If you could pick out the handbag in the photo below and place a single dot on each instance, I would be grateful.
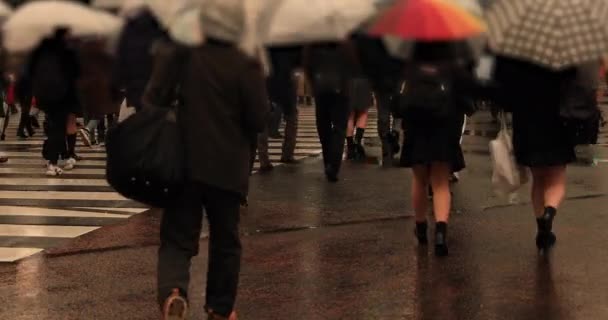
(145, 160)
(145, 155)
(507, 175)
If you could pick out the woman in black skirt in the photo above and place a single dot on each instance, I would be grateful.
(431, 146)
(541, 136)
(361, 99)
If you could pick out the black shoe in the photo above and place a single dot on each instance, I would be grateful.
(3, 159)
(34, 122)
(288, 160)
(393, 139)
(2, 137)
(331, 174)
(420, 232)
(30, 131)
(360, 154)
(266, 169)
(351, 153)
(21, 135)
(441, 239)
(545, 238)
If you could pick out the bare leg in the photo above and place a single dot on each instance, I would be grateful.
(538, 191)
(420, 184)
(350, 128)
(555, 186)
(440, 180)
(362, 119)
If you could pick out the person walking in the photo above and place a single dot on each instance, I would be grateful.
(224, 100)
(95, 89)
(134, 62)
(282, 91)
(329, 66)
(552, 112)
(51, 76)
(361, 98)
(433, 117)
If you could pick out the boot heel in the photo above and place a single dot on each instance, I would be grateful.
(545, 238)
(420, 233)
(441, 239)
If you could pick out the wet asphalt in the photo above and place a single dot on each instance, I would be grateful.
(314, 250)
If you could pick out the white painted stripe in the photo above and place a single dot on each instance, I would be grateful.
(76, 171)
(14, 254)
(16, 230)
(61, 195)
(52, 182)
(38, 155)
(40, 162)
(45, 212)
(125, 210)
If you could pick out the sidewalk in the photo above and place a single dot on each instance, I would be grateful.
(313, 250)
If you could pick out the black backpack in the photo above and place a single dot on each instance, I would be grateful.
(427, 91)
(49, 78)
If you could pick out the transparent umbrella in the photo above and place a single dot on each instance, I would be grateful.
(286, 22)
(34, 21)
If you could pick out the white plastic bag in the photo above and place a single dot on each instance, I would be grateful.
(125, 111)
(507, 176)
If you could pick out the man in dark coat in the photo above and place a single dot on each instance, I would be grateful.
(224, 106)
(134, 65)
(329, 67)
(51, 74)
(282, 91)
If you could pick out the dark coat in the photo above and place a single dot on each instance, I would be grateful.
(224, 106)
(134, 65)
(70, 63)
(95, 84)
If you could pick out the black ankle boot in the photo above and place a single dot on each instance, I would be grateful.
(420, 232)
(545, 238)
(441, 239)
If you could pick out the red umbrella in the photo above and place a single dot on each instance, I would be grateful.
(427, 20)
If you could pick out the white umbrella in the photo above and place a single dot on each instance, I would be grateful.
(34, 21)
(181, 19)
(300, 21)
(5, 10)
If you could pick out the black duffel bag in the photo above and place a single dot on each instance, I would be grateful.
(145, 159)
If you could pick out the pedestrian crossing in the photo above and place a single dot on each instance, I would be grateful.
(38, 212)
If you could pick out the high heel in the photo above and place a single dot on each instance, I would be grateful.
(420, 232)
(545, 238)
(441, 239)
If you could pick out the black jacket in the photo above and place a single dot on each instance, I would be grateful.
(224, 106)
(134, 66)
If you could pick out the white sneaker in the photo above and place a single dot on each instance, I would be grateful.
(85, 134)
(53, 170)
(69, 164)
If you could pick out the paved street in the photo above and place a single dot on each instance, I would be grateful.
(318, 251)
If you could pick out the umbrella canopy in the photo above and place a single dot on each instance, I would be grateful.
(34, 21)
(181, 19)
(427, 20)
(289, 22)
(553, 34)
(108, 4)
(5, 10)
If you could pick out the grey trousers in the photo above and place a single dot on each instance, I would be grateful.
(179, 241)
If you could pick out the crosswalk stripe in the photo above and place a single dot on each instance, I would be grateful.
(39, 212)
(14, 254)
